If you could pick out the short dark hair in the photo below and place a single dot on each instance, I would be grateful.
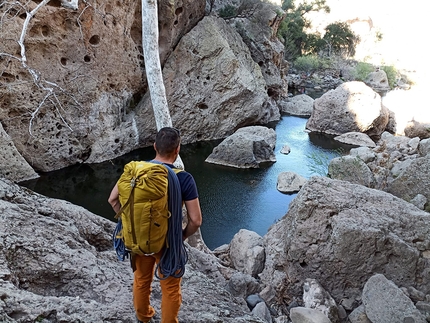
(167, 140)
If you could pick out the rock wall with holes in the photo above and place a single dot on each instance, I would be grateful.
(73, 86)
(65, 91)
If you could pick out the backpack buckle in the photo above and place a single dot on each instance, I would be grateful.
(133, 182)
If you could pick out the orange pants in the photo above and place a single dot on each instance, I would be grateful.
(171, 297)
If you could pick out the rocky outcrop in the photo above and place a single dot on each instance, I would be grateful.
(57, 264)
(315, 82)
(398, 165)
(248, 147)
(378, 81)
(257, 22)
(83, 74)
(351, 107)
(341, 234)
(57, 261)
(12, 164)
(79, 109)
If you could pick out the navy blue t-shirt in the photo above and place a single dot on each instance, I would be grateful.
(188, 185)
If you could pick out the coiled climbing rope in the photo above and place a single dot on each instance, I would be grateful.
(175, 257)
(118, 242)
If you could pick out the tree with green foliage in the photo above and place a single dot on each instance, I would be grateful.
(292, 30)
(339, 39)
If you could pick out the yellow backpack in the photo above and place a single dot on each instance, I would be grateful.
(144, 206)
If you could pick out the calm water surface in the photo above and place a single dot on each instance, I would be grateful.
(231, 199)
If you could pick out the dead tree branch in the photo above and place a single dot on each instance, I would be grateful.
(46, 86)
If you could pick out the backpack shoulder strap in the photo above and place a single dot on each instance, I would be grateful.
(130, 200)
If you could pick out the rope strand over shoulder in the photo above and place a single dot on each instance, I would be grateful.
(174, 258)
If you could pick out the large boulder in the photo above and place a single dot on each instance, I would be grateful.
(398, 308)
(212, 84)
(257, 22)
(247, 252)
(417, 129)
(413, 179)
(355, 139)
(299, 105)
(289, 182)
(341, 234)
(248, 147)
(352, 169)
(351, 107)
(411, 111)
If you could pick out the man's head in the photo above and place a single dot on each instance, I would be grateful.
(167, 142)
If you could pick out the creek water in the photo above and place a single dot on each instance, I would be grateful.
(231, 199)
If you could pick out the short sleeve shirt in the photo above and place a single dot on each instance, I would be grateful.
(188, 185)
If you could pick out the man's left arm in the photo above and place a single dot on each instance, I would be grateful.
(194, 215)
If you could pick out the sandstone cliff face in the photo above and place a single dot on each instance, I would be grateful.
(78, 57)
(81, 94)
(87, 67)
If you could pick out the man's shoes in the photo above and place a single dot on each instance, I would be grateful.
(150, 321)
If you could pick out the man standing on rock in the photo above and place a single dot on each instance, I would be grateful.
(167, 146)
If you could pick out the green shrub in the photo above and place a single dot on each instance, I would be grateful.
(391, 75)
(319, 160)
(307, 63)
(229, 11)
(361, 71)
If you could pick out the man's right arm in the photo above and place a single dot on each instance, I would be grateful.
(194, 218)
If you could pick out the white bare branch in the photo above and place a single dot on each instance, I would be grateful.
(59, 113)
(11, 56)
(11, 7)
(79, 19)
(35, 112)
(25, 27)
(49, 87)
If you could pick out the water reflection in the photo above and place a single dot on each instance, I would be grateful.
(231, 199)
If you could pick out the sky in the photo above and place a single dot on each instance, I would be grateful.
(403, 25)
